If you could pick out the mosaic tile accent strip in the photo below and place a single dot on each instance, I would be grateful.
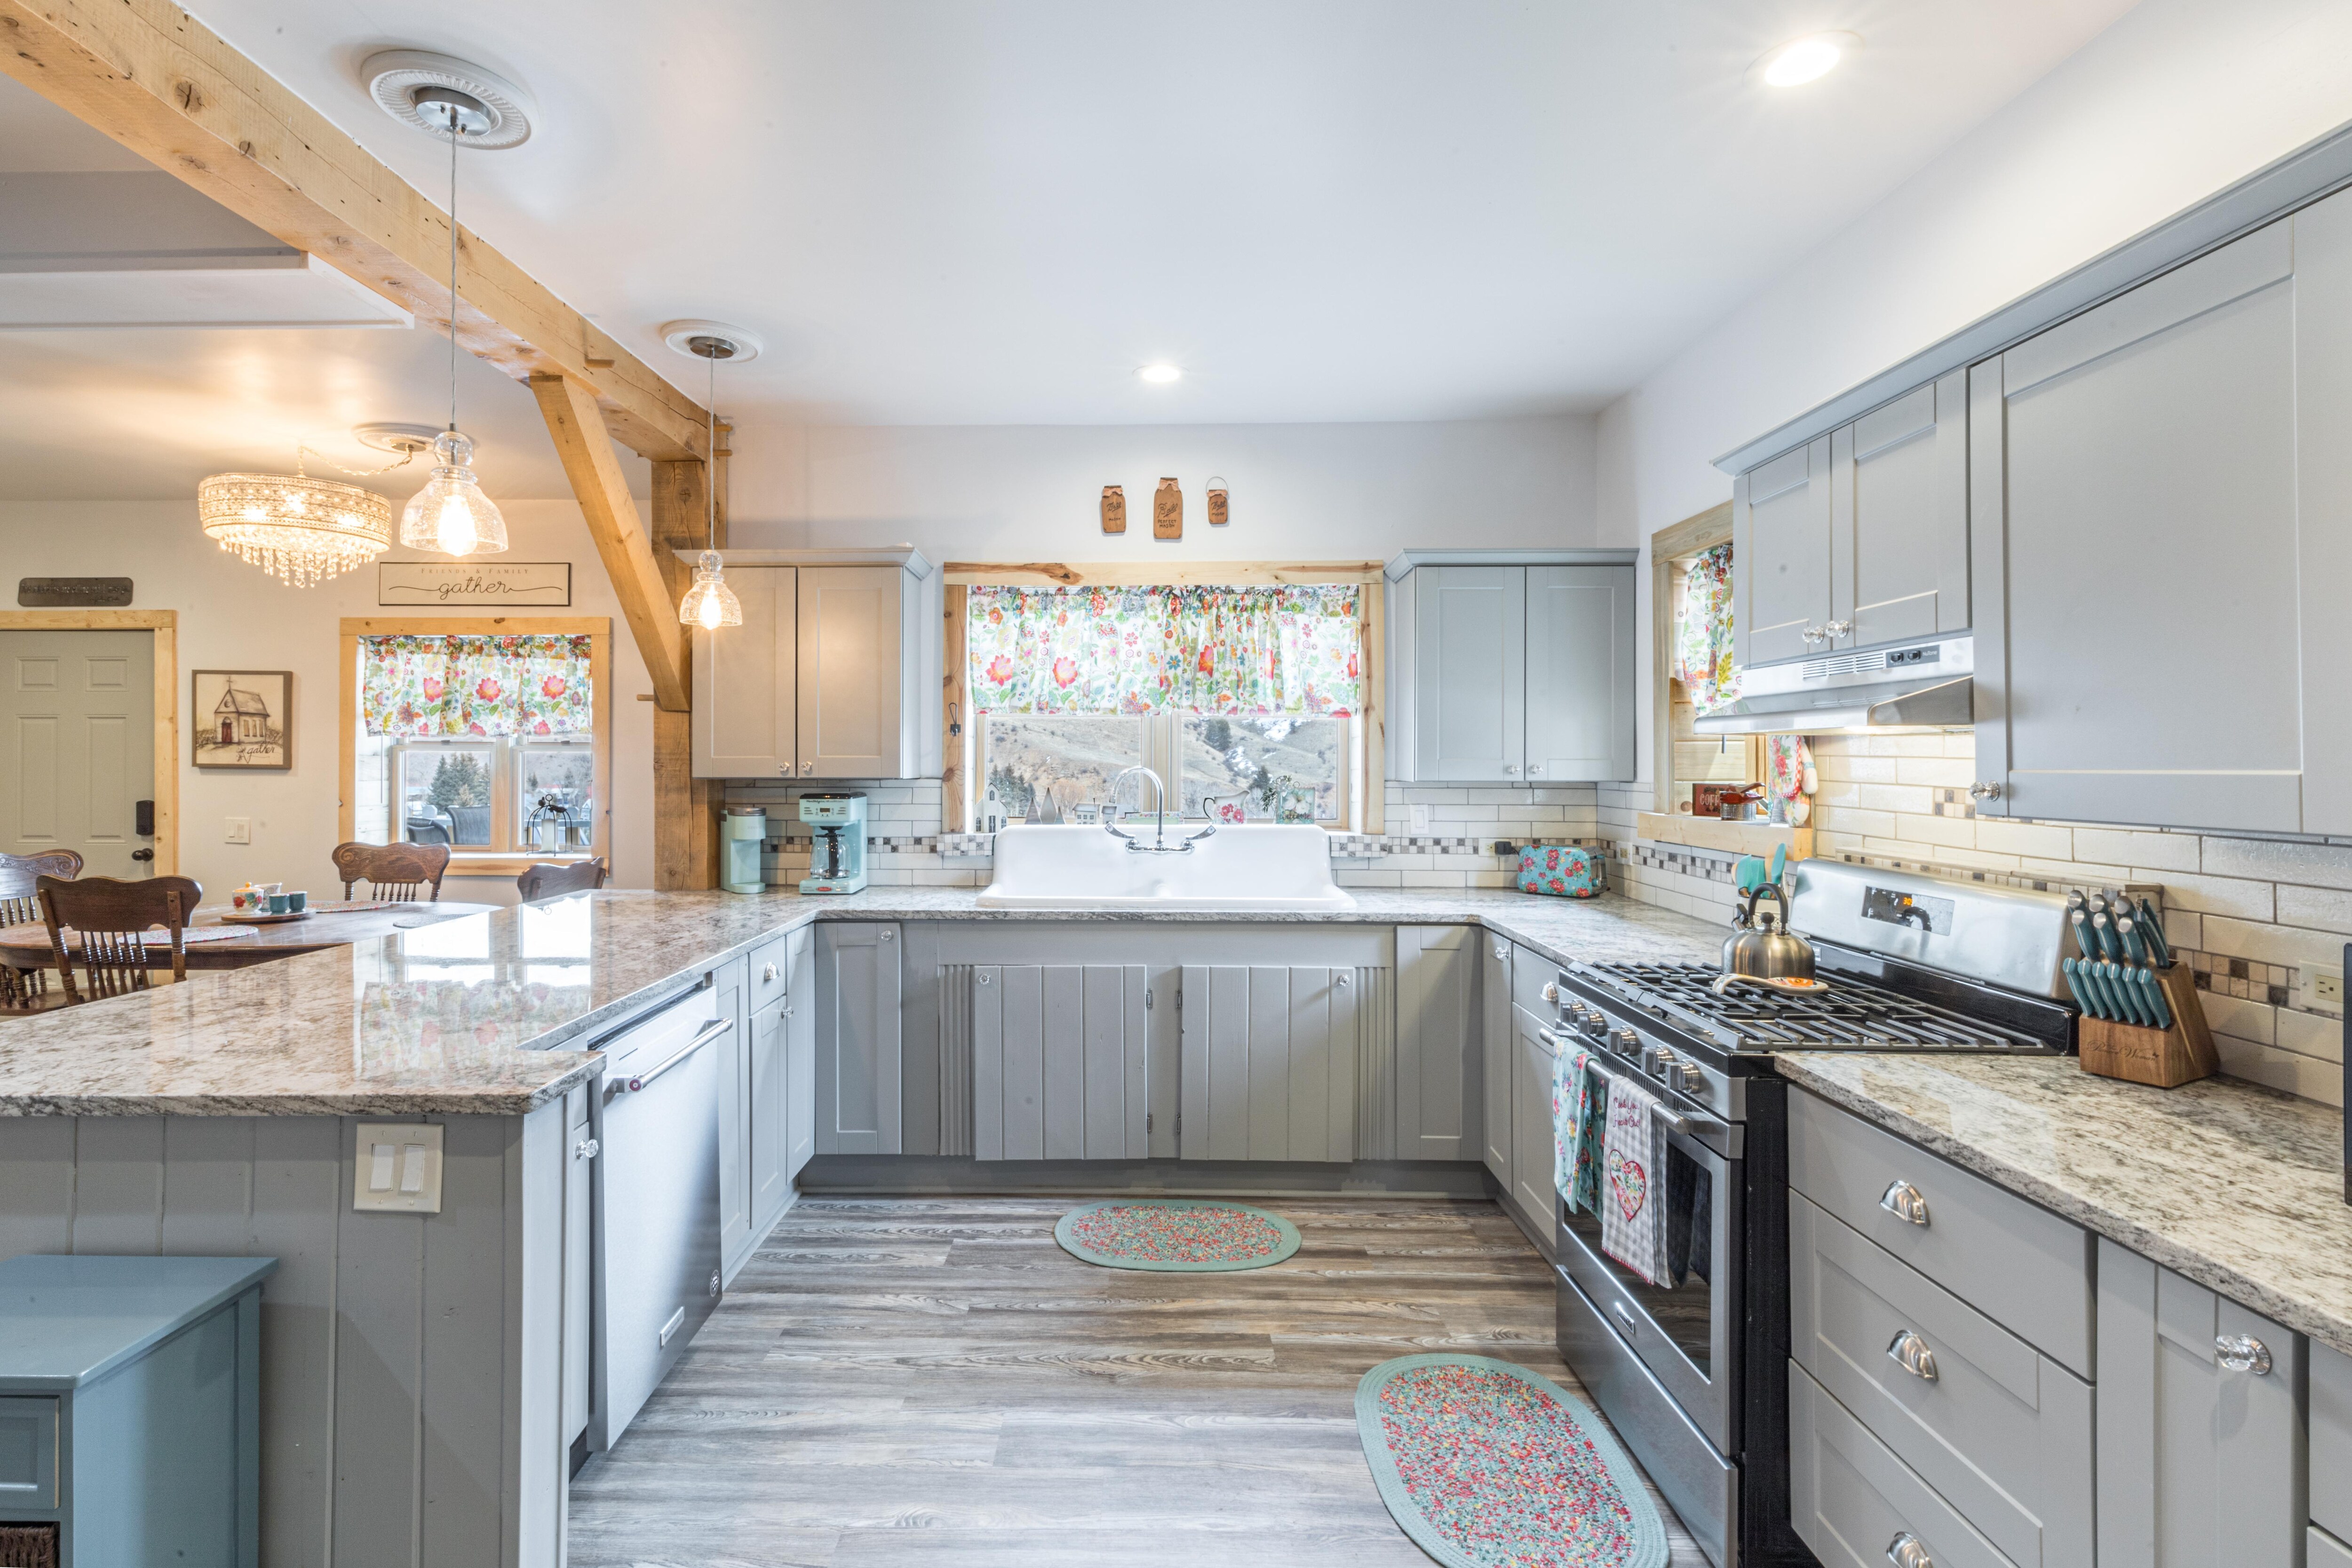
(1176, 1236)
(1485, 1465)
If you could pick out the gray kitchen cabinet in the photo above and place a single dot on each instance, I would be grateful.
(2331, 1440)
(746, 720)
(576, 1381)
(1781, 557)
(1438, 1092)
(1511, 672)
(800, 1056)
(768, 1125)
(1269, 1059)
(1060, 1061)
(1495, 1041)
(857, 1038)
(833, 673)
(2326, 1551)
(733, 1050)
(1899, 520)
(1580, 679)
(2200, 1437)
(1531, 1135)
(2162, 526)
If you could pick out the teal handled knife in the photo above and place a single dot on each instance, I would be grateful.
(2152, 930)
(2085, 940)
(2111, 942)
(2134, 949)
(2101, 1004)
(2118, 993)
(2081, 988)
(2152, 994)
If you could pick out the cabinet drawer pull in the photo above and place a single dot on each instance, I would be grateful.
(2242, 1353)
(1911, 1353)
(1905, 1551)
(1551, 992)
(587, 1149)
(983, 979)
(768, 975)
(1343, 979)
(1905, 1201)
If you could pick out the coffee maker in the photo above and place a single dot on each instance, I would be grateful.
(838, 852)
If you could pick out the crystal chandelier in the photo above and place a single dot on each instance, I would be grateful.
(451, 513)
(711, 604)
(295, 527)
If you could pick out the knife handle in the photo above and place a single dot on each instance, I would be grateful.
(2119, 999)
(2075, 983)
(2152, 928)
(2085, 939)
(2142, 1010)
(2129, 928)
(2153, 994)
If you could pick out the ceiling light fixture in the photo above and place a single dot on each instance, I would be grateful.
(710, 603)
(1805, 60)
(303, 529)
(1160, 375)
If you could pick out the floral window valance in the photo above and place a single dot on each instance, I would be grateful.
(1703, 633)
(435, 686)
(1293, 649)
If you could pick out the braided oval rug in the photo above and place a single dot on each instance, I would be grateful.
(1178, 1236)
(1485, 1465)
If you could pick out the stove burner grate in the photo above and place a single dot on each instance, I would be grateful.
(1849, 1016)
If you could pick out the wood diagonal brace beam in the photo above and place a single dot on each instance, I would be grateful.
(603, 490)
(159, 82)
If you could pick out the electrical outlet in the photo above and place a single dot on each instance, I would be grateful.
(2327, 985)
(240, 830)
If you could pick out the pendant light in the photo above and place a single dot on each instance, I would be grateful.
(710, 603)
(452, 514)
(294, 527)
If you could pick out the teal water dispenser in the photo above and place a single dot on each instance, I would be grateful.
(838, 853)
(742, 833)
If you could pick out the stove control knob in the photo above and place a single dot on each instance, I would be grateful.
(1627, 1042)
(1677, 1077)
(1655, 1059)
(1591, 1021)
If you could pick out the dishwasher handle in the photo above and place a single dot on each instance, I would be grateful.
(709, 1032)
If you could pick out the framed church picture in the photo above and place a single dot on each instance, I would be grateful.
(243, 718)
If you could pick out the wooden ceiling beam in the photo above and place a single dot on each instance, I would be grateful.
(160, 83)
(577, 426)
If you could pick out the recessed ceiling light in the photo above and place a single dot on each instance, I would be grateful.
(1160, 375)
(1805, 60)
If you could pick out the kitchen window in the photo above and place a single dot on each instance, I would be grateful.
(492, 738)
(1245, 700)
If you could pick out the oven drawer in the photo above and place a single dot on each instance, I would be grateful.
(1852, 1500)
(2000, 1430)
(2022, 1265)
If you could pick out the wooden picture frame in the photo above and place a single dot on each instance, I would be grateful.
(241, 719)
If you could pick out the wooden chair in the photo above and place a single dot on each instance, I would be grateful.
(398, 873)
(554, 881)
(27, 991)
(111, 922)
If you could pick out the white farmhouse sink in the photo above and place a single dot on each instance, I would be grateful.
(1080, 868)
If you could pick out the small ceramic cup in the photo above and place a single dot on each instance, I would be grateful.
(297, 902)
(277, 904)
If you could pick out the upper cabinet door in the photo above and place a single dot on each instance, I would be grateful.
(2160, 521)
(1580, 693)
(1899, 520)
(1470, 673)
(743, 693)
(1781, 557)
(853, 637)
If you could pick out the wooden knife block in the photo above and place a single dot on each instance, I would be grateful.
(2161, 1059)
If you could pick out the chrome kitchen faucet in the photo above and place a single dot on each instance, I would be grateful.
(1159, 845)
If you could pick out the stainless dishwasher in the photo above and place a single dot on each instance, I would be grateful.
(656, 1200)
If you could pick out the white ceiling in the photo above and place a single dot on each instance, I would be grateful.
(992, 211)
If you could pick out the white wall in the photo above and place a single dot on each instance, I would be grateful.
(234, 616)
(2177, 100)
(1032, 492)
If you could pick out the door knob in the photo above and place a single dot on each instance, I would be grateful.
(143, 854)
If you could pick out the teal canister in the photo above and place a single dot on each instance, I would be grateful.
(743, 833)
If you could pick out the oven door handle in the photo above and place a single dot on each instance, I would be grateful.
(1675, 1120)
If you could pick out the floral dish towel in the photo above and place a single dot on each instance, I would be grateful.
(1561, 871)
(1578, 1110)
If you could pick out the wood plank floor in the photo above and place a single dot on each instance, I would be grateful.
(933, 1383)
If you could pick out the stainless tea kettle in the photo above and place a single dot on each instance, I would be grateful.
(1756, 951)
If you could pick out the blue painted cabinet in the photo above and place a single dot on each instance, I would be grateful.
(131, 1407)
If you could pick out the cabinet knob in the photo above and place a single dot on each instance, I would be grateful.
(1534, 768)
(1838, 629)
(2242, 1353)
(1905, 1201)
(1910, 1352)
(1984, 792)
(890, 936)
(1905, 1551)
(1551, 991)
(1814, 635)
(1510, 767)
(767, 974)
(808, 767)
(982, 977)
(587, 1149)
(1343, 979)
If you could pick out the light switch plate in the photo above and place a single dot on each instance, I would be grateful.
(240, 830)
(398, 1167)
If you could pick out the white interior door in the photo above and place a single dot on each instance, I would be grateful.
(77, 745)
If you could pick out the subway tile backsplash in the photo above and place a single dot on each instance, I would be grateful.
(2255, 918)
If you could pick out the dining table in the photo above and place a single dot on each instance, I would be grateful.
(218, 937)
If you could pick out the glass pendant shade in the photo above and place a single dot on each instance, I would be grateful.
(303, 530)
(451, 514)
(710, 603)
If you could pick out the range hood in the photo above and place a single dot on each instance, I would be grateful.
(1920, 685)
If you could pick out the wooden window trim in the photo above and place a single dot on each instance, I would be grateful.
(598, 629)
(1670, 548)
(165, 625)
(959, 737)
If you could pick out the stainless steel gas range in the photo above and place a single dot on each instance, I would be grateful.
(1695, 1376)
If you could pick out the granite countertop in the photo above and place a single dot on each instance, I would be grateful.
(2239, 1187)
(487, 1015)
